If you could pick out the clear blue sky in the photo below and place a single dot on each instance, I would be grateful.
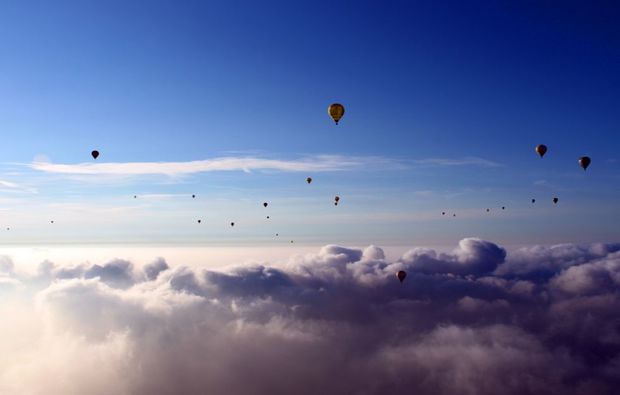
(444, 106)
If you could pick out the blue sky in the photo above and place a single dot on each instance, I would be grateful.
(444, 106)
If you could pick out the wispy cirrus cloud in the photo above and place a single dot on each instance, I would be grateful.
(319, 163)
(466, 161)
(316, 163)
(8, 186)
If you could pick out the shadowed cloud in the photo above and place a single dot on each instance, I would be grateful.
(473, 321)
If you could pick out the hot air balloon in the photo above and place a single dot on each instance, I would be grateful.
(309, 180)
(52, 221)
(193, 196)
(336, 111)
(454, 215)
(584, 162)
(267, 217)
(555, 200)
(134, 196)
(265, 204)
(277, 234)
(401, 275)
(541, 149)
(503, 208)
(95, 154)
(291, 241)
(533, 200)
(199, 221)
(443, 213)
(488, 210)
(232, 224)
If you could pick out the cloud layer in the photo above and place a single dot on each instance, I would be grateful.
(541, 320)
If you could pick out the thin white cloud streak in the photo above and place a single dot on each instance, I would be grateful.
(320, 163)
(8, 186)
(448, 162)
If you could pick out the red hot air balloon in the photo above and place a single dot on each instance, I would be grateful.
(541, 149)
(401, 275)
(584, 162)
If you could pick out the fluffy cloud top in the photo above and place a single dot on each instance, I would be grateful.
(475, 321)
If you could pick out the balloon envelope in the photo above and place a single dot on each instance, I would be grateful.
(541, 149)
(401, 275)
(95, 154)
(336, 111)
(309, 180)
(584, 162)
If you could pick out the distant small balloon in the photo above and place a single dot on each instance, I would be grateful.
(265, 204)
(267, 217)
(584, 162)
(309, 180)
(134, 196)
(277, 234)
(401, 275)
(488, 210)
(541, 149)
(199, 221)
(555, 200)
(193, 196)
(443, 213)
(533, 200)
(454, 215)
(52, 222)
(95, 154)
(503, 208)
(291, 241)
(232, 224)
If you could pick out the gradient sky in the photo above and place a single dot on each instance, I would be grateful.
(444, 106)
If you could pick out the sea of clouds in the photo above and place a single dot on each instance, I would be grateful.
(541, 320)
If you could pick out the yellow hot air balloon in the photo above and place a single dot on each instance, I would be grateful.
(336, 111)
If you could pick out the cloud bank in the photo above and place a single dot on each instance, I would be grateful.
(541, 320)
